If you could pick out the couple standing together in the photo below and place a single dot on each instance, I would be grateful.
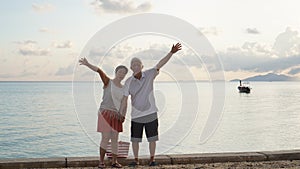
(113, 107)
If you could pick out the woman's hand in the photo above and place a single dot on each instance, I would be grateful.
(121, 118)
(83, 61)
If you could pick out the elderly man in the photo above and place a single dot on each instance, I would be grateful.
(144, 111)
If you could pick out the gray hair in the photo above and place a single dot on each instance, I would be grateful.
(135, 59)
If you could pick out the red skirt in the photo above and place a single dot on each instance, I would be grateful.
(108, 121)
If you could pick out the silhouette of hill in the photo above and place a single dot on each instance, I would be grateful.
(269, 77)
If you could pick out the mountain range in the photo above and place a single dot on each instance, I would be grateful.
(269, 77)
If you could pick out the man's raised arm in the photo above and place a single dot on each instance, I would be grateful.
(164, 60)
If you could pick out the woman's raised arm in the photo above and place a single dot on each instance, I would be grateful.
(104, 78)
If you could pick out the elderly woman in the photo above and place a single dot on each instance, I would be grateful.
(109, 120)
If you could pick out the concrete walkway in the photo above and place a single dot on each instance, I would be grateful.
(161, 159)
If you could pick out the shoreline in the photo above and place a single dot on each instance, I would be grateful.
(166, 160)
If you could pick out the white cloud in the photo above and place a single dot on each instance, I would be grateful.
(210, 31)
(42, 8)
(287, 43)
(294, 71)
(47, 30)
(256, 57)
(65, 70)
(27, 42)
(96, 53)
(122, 51)
(282, 56)
(30, 48)
(20, 75)
(252, 31)
(257, 49)
(116, 53)
(44, 30)
(249, 57)
(117, 6)
(150, 54)
(66, 44)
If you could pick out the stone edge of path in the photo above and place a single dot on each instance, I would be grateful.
(170, 159)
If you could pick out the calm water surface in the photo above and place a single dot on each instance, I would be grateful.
(58, 119)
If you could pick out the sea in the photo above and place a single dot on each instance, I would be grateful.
(58, 119)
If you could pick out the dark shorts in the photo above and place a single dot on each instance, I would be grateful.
(150, 122)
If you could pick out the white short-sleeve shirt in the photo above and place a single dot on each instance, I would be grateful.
(141, 92)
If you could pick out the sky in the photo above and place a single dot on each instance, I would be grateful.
(43, 40)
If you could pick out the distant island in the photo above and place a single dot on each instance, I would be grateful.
(268, 77)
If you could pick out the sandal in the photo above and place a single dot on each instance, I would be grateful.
(133, 164)
(153, 163)
(116, 165)
(101, 166)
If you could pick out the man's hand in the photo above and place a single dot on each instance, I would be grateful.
(164, 60)
(176, 48)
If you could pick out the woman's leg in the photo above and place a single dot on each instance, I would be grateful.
(103, 145)
(114, 146)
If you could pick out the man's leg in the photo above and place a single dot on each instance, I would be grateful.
(136, 137)
(152, 147)
(135, 148)
(152, 136)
